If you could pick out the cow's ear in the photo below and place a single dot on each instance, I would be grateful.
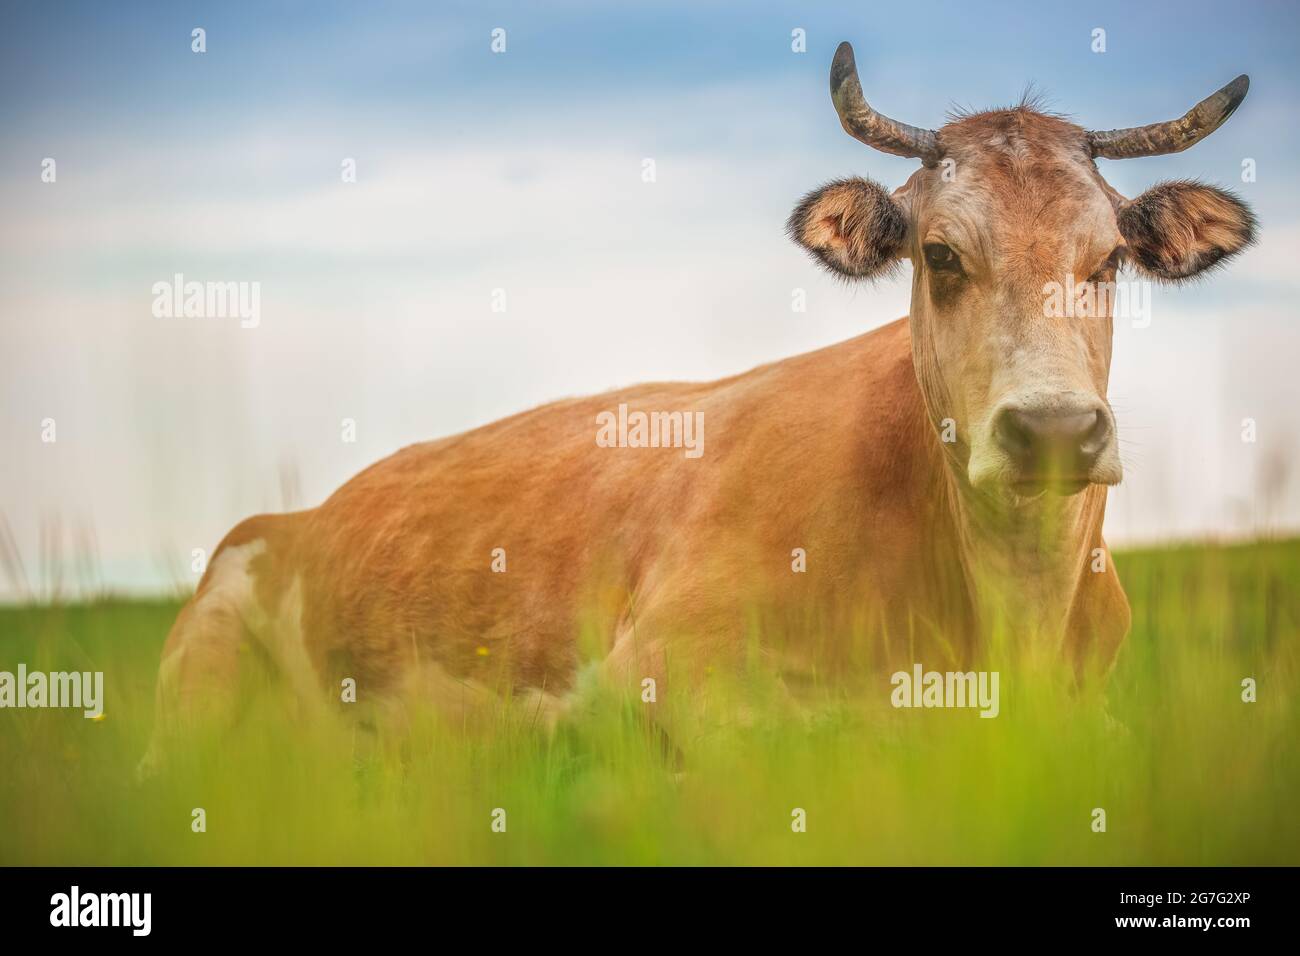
(853, 227)
(1178, 229)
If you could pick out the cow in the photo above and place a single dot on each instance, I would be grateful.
(911, 494)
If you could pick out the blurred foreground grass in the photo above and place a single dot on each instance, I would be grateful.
(1187, 772)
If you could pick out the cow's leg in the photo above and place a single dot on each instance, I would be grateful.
(209, 653)
(673, 656)
(472, 705)
(636, 668)
(416, 691)
(692, 664)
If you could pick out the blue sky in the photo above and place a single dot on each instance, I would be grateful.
(109, 64)
(522, 171)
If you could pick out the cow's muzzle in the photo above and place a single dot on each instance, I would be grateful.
(1057, 450)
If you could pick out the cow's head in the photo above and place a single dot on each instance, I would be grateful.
(1007, 219)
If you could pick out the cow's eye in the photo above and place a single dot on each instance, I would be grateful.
(941, 258)
(1107, 269)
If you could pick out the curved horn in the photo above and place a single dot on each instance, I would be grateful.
(1175, 135)
(865, 124)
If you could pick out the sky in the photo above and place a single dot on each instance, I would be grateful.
(522, 171)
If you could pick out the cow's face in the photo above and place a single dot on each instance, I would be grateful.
(1015, 242)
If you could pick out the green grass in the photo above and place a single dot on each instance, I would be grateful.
(1187, 772)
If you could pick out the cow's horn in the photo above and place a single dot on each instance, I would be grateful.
(865, 124)
(1175, 135)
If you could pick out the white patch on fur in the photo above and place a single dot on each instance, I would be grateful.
(231, 583)
(229, 587)
(283, 638)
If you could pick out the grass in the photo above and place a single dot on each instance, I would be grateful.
(1186, 771)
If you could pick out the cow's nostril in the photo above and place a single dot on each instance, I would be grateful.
(1037, 440)
(1015, 432)
(1095, 439)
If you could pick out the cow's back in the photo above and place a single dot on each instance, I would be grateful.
(827, 452)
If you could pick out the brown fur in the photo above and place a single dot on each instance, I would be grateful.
(668, 564)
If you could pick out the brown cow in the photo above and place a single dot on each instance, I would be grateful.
(902, 496)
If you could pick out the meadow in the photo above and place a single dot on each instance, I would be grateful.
(1187, 772)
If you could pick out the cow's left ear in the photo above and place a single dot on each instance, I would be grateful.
(1177, 229)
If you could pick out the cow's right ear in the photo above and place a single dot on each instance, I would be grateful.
(852, 226)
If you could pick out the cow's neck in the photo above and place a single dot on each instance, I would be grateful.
(1024, 564)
